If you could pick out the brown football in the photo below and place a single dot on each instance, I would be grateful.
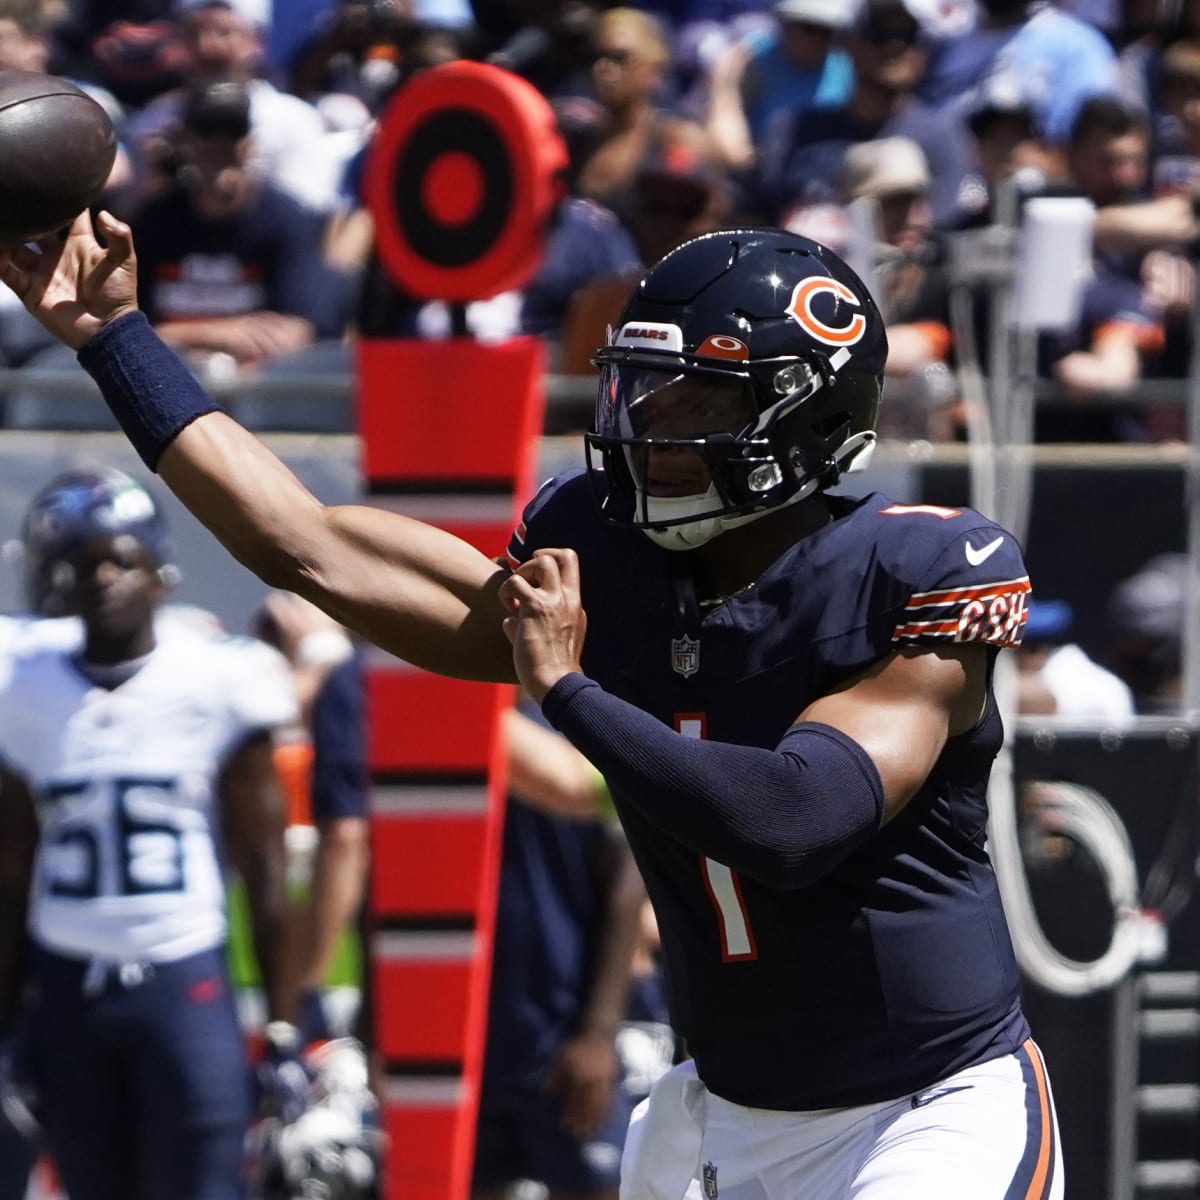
(57, 147)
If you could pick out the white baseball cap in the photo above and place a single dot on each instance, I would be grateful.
(833, 14)
(884, 167)
(253, 12)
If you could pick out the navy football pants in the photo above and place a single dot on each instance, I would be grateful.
(16, 1161)
(144, 1081)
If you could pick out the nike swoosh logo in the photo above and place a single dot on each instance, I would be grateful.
(978, 557)
(923, 1098)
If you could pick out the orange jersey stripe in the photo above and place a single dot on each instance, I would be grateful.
(1041, 1171)
(978, 592)
(912, 628)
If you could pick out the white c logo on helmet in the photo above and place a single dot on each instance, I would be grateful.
(800, 310)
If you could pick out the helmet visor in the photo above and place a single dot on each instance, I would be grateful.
(664, 403)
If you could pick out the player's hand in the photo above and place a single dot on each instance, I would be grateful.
(290, 624)
(72, 284)
(284, 1085)
(583, 1076)
(546, 623)
(311, 1019)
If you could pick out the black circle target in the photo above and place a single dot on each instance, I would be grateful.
(464, 172)
(446, 243)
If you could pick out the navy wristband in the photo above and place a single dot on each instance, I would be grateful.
(145, 383)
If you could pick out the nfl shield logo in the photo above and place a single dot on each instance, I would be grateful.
(685, 656)
(709, 1173)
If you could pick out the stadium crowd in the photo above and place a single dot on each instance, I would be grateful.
(886, 129)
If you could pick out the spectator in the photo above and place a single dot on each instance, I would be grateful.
(224, 44)
(670, 206)
(801, 160)
(1012, 156)
(1057, 677)
(1120, 145)
(230, 264)
(1118, 331)
(1107, 152)
(231, 268)
(361, 52)
(1139, 40)
(890, 178)
(1059, 58)
(1142, 236)
(1146, 615)
(131, 47)
(138, 751)
(631, 56)
(547, 42)
(1168, 269)
(795, 65)
(584, 243)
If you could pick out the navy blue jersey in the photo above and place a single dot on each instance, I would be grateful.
(896, 969)
(266, 256)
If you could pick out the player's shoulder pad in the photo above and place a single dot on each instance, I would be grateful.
(552, 517)
(963, 576)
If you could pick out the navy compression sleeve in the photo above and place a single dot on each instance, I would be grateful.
(145, 384)
(785, 817)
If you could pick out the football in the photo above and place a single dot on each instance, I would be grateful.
(57, 147)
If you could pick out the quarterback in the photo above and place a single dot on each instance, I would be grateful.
(789, 691)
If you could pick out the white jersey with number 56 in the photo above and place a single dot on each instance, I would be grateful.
(128, 864)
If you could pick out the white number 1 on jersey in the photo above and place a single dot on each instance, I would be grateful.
(721, 882)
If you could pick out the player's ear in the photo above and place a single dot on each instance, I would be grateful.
(169, 575)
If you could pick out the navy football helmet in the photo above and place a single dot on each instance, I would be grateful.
(761, 353)
(75, 508)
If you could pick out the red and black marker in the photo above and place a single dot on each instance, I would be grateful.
(465, 171)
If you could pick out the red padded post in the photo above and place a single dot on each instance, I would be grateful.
(449, 435)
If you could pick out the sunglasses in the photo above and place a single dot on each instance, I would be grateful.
(883, 35)
(809, 27)
(619, 58)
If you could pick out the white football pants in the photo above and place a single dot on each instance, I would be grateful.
(988, 1132)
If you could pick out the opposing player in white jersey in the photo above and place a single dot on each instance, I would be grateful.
(130, 769)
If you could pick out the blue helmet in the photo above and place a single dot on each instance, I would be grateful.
(78, 507)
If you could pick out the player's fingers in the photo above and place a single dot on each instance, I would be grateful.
(119, 237)
(541, 570)
(517, 591)
(559, 568)
(13, 276)
(566, 564)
